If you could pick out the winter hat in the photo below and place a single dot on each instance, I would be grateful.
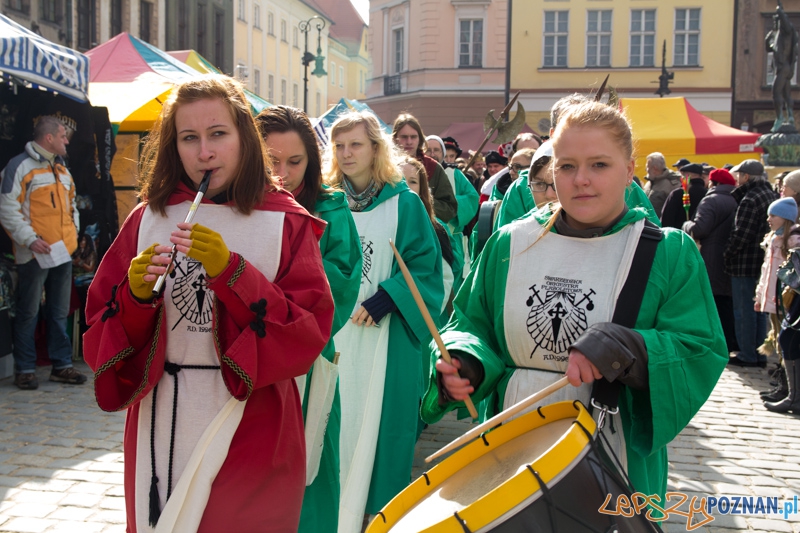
(750, 167)
(693, 168)
(722, 177)
(450, 142)
(784, 208)
(494, 157)
(438, 139)
(792, 180)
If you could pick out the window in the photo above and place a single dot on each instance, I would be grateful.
(319, 103)
(556, 30)
(341, 76)
(294, 95)
(598, 38)
(145, 20)
(470, 47)
(242, 5)
(51, 10)
(270, 88)
(256, 16)
(84, 25)
(643, 37)
(23, 6)
(283, 92)
(219, 38)
(687, 37)
(183, 23)
(270, 24)
(201, 29)
(295, 37)
(283, 31)
(332, 73)
(397, 50)
(257, 81)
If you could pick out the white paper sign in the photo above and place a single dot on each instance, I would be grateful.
(58, 256)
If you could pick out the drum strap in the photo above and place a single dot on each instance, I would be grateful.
(629, 302)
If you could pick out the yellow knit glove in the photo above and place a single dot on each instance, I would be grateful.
(209, 248)
(141, 289)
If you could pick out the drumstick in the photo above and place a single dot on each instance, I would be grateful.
(189, 216)
(500, 417)
(428, 320)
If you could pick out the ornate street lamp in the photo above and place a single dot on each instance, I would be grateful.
(308, 57)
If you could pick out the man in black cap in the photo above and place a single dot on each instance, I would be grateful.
(495, 162)
(452, 151)
(682, 162)
(673, 215)
(743, 258)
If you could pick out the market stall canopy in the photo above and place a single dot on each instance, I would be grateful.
(133, 79)
(470, 135)
(345, 106)
(32, 58)
(202, 65)
(676, 129)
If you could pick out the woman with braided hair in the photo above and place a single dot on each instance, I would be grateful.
(214, 429)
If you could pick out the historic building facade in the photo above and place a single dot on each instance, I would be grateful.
(564, 46)
(442, 60)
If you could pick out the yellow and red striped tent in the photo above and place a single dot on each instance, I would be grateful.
(676, 129)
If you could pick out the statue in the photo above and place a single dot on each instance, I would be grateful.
(782, 42)
(666, 76)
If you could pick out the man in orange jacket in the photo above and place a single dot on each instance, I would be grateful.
(37, 210)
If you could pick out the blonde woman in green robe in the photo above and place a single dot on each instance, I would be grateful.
(540, 301)
(380, 368)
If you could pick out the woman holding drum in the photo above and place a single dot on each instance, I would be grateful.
(214, 429)
(541, 300)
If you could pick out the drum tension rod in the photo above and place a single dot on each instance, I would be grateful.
(462, 523)
(483, 436)
(539, 410)
(427, 481)
(382, 516)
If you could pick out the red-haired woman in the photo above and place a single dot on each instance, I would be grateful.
(214, 430)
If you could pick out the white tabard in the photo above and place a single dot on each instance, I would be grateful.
(200, 445)
(555, 290)
(362, 368)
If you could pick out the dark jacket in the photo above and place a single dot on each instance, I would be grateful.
(445, 205)
(711, 227)
(658, 187)
(743, 253)
(673, 215)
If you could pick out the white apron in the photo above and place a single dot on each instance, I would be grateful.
(362, 368)
(207, 415)
(555, 291)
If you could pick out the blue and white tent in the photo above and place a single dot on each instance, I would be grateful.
(32, 58)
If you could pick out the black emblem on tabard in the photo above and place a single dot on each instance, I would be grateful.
(190, 292)
(366, 252)
(558, 318)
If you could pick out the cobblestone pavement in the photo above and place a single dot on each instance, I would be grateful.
(61, 457)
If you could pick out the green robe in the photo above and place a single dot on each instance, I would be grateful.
(341, 258)
(518, 201)
(419, 247)
(678, 321)
(467, 198)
